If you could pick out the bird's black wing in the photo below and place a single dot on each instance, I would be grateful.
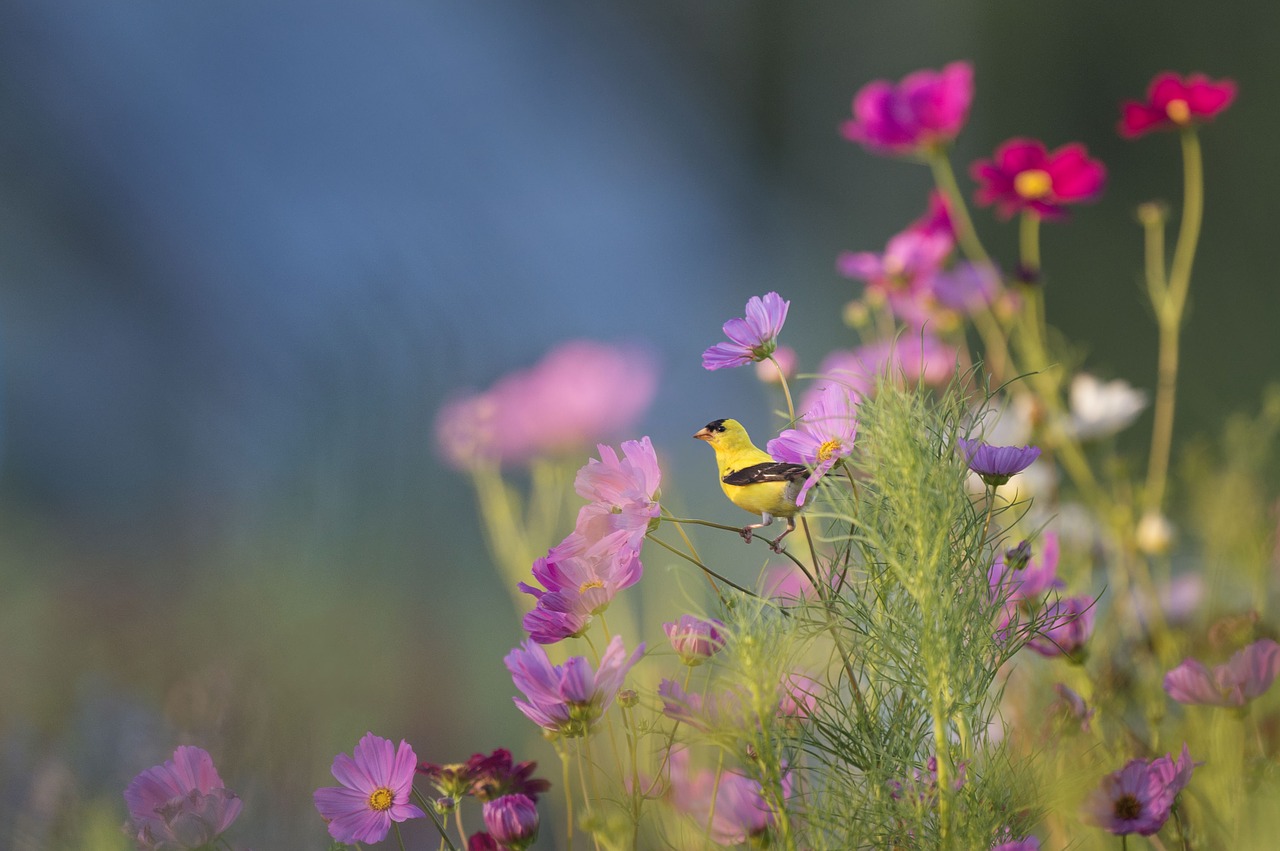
(769, 471)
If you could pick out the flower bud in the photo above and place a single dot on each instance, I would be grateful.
(628, 698)
(512, 821)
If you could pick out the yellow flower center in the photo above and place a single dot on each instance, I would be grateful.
(380, 799)
(589, 584)
(1033, 183)
(1178, 111)
(828, 448)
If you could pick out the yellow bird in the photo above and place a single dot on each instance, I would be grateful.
(752, 479)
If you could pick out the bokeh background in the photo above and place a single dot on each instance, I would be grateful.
(248, 249)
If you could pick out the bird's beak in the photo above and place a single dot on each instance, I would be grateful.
(705, 434)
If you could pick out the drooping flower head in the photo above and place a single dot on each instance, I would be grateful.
(1246, 675)
(376, 784)
(924, 110)
(751, 339)
(581, 392)
(1175, 102)
(825, 436)
(512, 821)
(569, 698)
(1138, 797)
(1024, 176)
(695, 639)
(1066, 627)
(180, 804)
(995, 465)
(485, 776)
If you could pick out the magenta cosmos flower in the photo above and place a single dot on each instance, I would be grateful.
(1138, 797)
(375, 790)
(512, 821)
(581, 392)
(825, 436)
(181, 804)
(1066, 626)
(485, 776)
(569, 698)
(1246, 675)
(1024, 176)
(753, 338)
(995, 465)
(1173, 101)
(927, 109)
(695, 639)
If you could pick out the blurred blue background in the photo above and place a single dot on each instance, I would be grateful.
(247, 250)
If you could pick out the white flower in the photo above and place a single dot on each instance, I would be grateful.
(1101, 409)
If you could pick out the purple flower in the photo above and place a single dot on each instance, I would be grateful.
(180, 804)
(1066, 626)
(574, 589)
(1025, 585)
(579, 393)
(715, 711)
(375, 791)
(1138, 797)
(825, 436)
(921, 787)
(733, 802)
(926, 109)
(1246, 675)
(569, 698)
(1027, 843)
(695, 639)
(481, 842)
(485, 777)
(997, 464)
(751, 339)
(512, 821)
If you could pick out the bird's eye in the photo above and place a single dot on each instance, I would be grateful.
(715, 425)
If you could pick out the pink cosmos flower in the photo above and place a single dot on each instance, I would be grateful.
(512, 821)
(786, 583)
(799, 696)
(622, 500)
(1173, 101)
(569, 698)
(580, 392)
(1038, 574)
(719, 710)
(936, 218)
(375, 790)
(574, 589)
(1066, 627)
(695, 639)
(903, 275)
(1024, 176)
(751, 339)
(1246, 675)
(180, 804)
(733, 802)
(1138, 797)
(926, 109)
(913, 358)
(825, 436)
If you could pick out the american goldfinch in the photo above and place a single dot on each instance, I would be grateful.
(752, 479)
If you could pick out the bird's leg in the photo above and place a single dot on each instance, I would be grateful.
(765, 519)
(775, 543)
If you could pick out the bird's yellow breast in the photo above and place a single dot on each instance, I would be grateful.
(776, 498)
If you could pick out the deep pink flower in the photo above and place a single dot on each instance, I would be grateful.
(485, 776)
(753, 338)
(936, 218)
(568, 698)
(180, 804)
(1024, 176)
(825, 436)
(995, 465)
(695, 639)
(1066, 627)
(375, 790)
(1138, 797)
(1175, 102)
(512, 821)
(733, 802)
(481, 842)
(926, 109)
(1246, 675)
(580, 392)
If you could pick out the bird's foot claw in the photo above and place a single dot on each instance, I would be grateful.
(746, 533)
(776, 544)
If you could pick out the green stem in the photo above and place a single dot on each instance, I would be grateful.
(568, 793)
(650, 537)
(966, 235)
(1169, 314)
(430, 809)
(1029, 243)
(693, 551)
(399, 838)
(786, 390)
